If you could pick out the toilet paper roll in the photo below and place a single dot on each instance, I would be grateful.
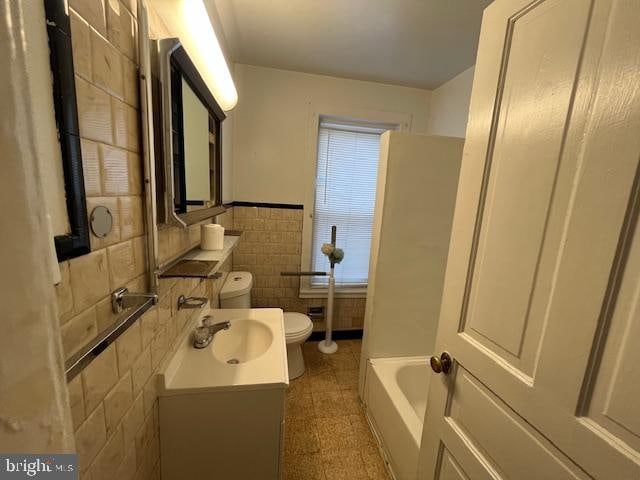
(211, 237)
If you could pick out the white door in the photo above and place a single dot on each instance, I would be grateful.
(541, 305)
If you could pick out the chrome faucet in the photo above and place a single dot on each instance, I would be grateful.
(216, 327)
(122, 299)
(203, 335)
(191, 302)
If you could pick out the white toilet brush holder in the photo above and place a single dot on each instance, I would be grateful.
(327, 345)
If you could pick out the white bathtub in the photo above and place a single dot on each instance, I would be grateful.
(396, 400)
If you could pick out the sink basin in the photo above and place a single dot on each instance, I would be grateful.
(246, 340)
(251, 354)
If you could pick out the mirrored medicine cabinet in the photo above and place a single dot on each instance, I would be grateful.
(187, 125)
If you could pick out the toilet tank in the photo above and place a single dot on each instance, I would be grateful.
(236, 291)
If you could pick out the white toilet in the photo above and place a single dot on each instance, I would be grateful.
(236, 293)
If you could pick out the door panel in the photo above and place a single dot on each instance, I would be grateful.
(450, 470)
(505, 444)
(614, 402)
(541, 58)
(541, 288)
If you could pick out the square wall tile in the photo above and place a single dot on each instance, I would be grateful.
(99, 377)
(91, 168)
(131, 218)
(80, 45)
(93, 12)
(94, 112)
(89, 279)
(117, 402)
(245, 212)
(128, 347)
(90, 437)
(164, 245)
(125, 125)
(115, 170)
(131, 83)
(159, 346)
(127, 468)
(141, 370)
(164, 312)
(109, 458)
(78, 331)
(144, 437)
(165, 285)
(132, 421)
(106, 63)
(136, 185)
(140, 254)
(76, 401)
(106, 317)
(133, 129)
(121, 29)
(150, 395)
(149, 324)
(122, 267)
(139, 283)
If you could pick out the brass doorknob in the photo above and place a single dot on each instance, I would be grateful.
(442, 363)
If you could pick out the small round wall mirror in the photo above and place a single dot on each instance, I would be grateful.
(101, 221)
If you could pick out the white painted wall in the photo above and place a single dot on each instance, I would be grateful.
(450, 106)
(271, 125)
(416, 192)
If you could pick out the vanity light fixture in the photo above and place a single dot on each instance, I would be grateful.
(189, 20)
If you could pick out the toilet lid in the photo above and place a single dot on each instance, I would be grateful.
(295, 323)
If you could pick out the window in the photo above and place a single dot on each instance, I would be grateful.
(345, 189)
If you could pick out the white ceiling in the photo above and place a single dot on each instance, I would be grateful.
(418, 43)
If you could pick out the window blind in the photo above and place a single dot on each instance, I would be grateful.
(347, 170)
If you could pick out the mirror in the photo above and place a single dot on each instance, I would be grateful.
(199, 154)
(101, 221)
(188, 163)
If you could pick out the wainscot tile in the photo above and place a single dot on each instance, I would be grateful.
(99, 377)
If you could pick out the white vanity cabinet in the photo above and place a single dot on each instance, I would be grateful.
(222, 406)
(227, 434)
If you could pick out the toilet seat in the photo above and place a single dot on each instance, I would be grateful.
(297, 327)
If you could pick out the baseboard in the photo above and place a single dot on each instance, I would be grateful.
(338, 335)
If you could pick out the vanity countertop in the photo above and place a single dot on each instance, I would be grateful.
(250, 355)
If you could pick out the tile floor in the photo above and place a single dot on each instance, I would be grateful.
(326, 434)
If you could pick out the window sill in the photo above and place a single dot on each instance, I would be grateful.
(353, 292)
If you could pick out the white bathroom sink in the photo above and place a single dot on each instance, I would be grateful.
(245, 341)
(251, 354)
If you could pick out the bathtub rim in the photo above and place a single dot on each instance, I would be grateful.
(403, 410)
(401, 402)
